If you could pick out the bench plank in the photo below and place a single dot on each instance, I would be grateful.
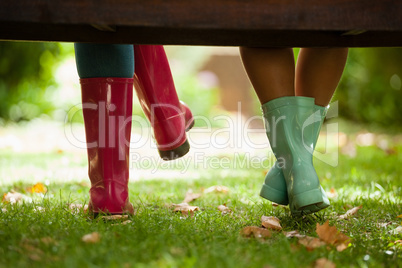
(352, 23)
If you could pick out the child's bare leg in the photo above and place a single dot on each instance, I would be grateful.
(318, 72)
(270, 70)
(272, 73)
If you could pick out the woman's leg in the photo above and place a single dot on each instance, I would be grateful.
(318, 72)
(270, 70)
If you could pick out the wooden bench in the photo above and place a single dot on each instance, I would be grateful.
(273, 23)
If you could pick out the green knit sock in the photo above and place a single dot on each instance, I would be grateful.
(104, 60)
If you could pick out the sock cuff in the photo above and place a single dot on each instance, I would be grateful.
(104, 60)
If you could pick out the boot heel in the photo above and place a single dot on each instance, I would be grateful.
(308, 198)
(176, 152)
(190, 125)
(274, 195)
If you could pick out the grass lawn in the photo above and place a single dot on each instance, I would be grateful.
(43, 231)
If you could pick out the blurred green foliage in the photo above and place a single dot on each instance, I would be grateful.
(370, 90)
(26, 79)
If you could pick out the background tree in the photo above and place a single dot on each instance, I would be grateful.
(371, 89)
(26, 78)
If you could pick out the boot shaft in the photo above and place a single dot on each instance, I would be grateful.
(107, 110)
(156, 92)
(287, 124)
(154, 83)
(319, 113)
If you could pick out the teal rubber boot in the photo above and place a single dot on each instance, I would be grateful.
(274, 187)
(287, 121)
(316, 123)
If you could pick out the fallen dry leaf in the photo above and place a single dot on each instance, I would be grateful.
(185, 209)
(341, 247)
(224, 209)
(34, 257)
(293, 234)
(77, 208)
(247, 201)
(26, 244)
(12, 197)
(255, 231)
(324, 263)
(350, 212)
(191, 197)
(331, 235)
(114, 217)
(91, 238)
(383, 224)
(278, 205)
(48, 241)
(216, 189)
(398, 243)
(294, 248)
(332, 193)
(311, 242)
(122, 223)
(391, 151)
(39, 188)
(271, 222)
(397, 230)
(39, 209)
(15, 197)
(31, 250)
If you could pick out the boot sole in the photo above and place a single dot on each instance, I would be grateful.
(313, 208)
(276, 196)
(179, 151)
(309, 209)
(175, 153)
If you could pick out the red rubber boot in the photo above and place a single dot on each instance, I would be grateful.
(107, 108)
(170, 118)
